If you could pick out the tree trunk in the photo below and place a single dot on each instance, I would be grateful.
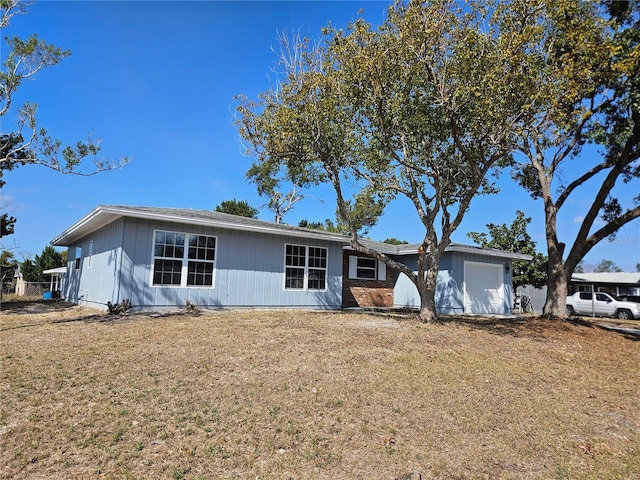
(427, 310)
(427, 291)
(557, 286)
(556, 302)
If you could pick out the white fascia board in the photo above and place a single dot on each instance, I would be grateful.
(607, 277)
(57, 270)
(76, 228)
(489, 252)
(412, 249)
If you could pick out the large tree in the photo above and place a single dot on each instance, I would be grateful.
(515, 238)
(581, 69)
(327, 226)
(7, 144)
(607, 266)
(7, 224)
(421, 108)
(8, 267)
(241, 208)
(29, 142)
(48, 259)
(279, 200)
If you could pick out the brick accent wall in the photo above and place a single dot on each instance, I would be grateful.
(366, 293)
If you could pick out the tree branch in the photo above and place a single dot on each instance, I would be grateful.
(605, 231)
(579, 181)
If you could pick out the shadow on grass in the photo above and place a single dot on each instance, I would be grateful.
(533, 327)
(23, 311)
(536, 327)
(29, 307)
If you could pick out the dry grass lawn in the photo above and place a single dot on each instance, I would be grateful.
(299, 395)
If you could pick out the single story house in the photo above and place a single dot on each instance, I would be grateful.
(621, 284)
(165, 257)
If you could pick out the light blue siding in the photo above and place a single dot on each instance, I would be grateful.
(249, 270)
(97, 279)
(449, 296)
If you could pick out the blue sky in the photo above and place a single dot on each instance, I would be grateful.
(156, 81)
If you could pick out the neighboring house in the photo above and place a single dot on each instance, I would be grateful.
(164, 257)
(620, 284)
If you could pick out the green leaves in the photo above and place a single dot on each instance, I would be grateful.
(515, 238)
(26, 58)
(421, 108)
(580, 66)
(49, 258)
(237, 207)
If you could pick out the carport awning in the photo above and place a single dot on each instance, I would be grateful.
(55, 271)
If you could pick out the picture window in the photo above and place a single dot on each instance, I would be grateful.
(184, 260)
(305, 268)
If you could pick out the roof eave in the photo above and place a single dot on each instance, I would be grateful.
(103, 215)
(476, 251)
(489, 252)
(412, 249)
(57, 270)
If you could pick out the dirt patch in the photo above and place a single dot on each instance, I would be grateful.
(32, 307)
(25, 314)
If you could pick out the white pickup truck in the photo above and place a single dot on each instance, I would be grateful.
(603, 305)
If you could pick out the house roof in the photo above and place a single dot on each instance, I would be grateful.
(412, 249)
(105, 214)
(618, 278)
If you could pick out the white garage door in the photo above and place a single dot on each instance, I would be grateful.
(483, 290)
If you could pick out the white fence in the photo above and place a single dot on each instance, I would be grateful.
(31, 289)
(536, 296)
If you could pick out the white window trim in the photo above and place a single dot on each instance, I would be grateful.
(305, 287)
(381, 269)
(185, 261)
(90, 254)
(77, 261)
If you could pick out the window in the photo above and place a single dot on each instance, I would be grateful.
(317, 268)
(305, 267)
(202, 252)
(78, 257)
(295, 261)
(183, 259)
(364, 268)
